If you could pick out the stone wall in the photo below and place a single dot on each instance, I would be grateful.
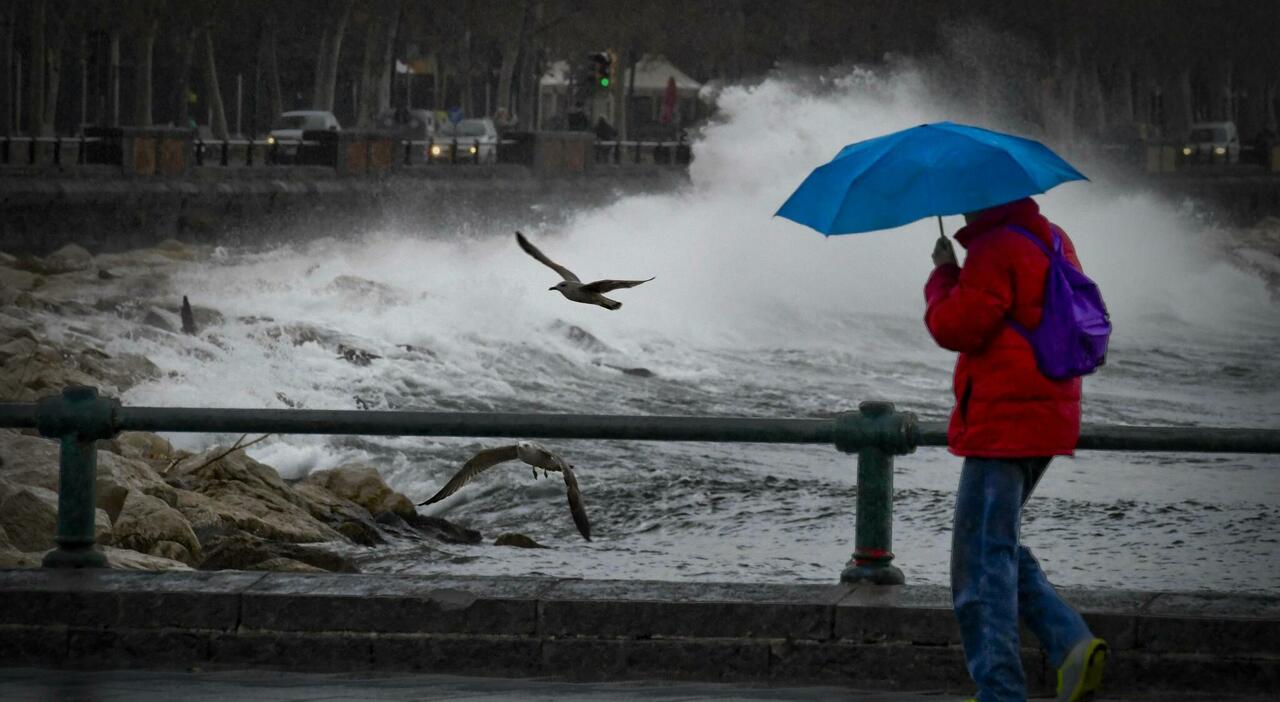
(868, 637)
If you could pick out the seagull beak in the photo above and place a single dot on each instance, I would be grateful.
(552, 288)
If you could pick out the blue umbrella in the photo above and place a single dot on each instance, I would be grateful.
(930, 170)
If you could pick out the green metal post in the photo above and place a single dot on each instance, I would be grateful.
(876, 433)
(78, 418)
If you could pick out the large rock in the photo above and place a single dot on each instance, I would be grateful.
(33, 460)
(68, 259)
(29, 517)
(364, 486)
(149, 525)
(226, 494)
(346, 517)
(125, 559)
(246, 552)
(22, 281)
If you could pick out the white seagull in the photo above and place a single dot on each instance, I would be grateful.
(533, 454)
(572, 286)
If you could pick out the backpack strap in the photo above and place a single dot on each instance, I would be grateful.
(1057, 240)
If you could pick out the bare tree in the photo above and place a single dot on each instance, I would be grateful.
(375, 68)
(7, 20)
(327, 54)
(53, 71)
(271, 69)
(36, 64)
(218, 122)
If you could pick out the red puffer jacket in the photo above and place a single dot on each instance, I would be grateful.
(1005, 407)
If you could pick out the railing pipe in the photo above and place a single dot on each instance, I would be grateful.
(876, 433)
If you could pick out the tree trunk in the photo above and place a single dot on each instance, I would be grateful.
(53, 79)
(275, 101)
(35, 103)
(182, 82)
(388, 58)
(327, 57)
(113, 81)
(142, 100)
(465, 83)
(385, 14)
(218, 124)
(1269, 116)
(6, 70)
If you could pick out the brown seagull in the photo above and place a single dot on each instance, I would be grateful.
(532, 454)
(572, 287)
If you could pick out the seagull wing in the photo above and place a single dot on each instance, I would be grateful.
(604, 286)
(576, 508)
(479, 463)
(533, 251)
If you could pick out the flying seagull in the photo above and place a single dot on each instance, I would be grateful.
(533, 454)
(572, 287)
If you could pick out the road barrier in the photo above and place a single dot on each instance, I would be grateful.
(876, 432)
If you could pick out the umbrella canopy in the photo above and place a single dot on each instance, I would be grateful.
(930, 170)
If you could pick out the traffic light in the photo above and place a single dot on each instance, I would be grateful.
(602, 68)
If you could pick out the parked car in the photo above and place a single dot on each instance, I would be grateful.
(409, 125)
(1216, 142)
(288, 129)
(475, 139)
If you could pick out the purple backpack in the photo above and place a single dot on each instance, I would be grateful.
(1071, 339)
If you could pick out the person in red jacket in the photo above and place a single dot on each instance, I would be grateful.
(1009, 421)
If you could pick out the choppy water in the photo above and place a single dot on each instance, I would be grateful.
(748, 316)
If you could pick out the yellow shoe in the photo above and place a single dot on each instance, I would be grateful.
(1080, 676)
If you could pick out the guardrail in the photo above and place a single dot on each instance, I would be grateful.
(660, 152)
(65, 150)
(271, 151)
(876, 432)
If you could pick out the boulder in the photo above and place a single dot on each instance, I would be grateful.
(248, 552)
(124, 559)
(517, 540)
(225, 494)
(33, 460)
(7, 259)
(68, 259)
(162, 319)
(153, 449)
(417, 525)
(149, 525)
(29, 516)
(364, 486)
(346, 517)
(286, 565)
(20, 280)
(227, 512)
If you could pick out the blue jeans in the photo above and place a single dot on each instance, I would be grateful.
(994, 579)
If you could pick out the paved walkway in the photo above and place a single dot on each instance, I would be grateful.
(33, 685)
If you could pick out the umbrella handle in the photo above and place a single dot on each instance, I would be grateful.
(941, 232)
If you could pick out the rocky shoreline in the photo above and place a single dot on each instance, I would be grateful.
(159, 507)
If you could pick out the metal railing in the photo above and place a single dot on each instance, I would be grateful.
(659, 152)
(876, 432)
(63, 150)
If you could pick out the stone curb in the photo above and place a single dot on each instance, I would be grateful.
(901, 638)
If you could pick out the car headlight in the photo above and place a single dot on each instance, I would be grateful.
(436, 150)
(471, 150)
(1187, 151)
(1220, 150)
(271, 140)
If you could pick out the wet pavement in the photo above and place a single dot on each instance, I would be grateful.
(39, 685)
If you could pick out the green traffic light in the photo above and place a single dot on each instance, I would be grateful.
(604, 82)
